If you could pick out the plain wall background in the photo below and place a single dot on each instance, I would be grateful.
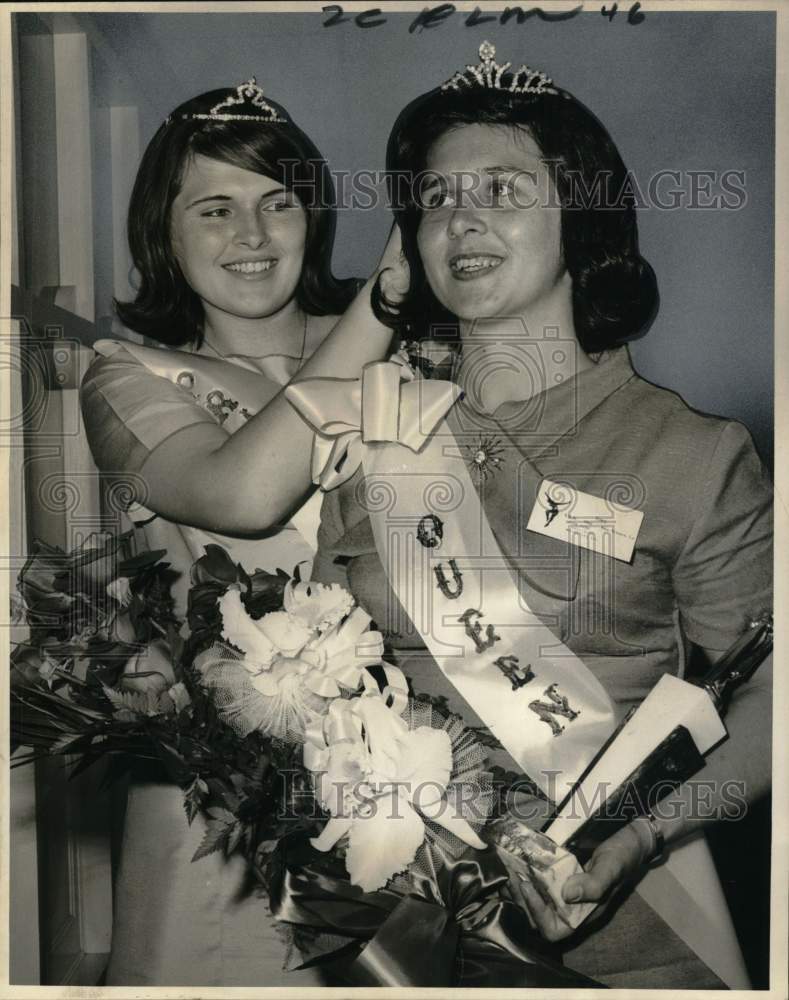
(680, 91)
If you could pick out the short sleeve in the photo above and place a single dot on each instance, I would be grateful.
(128, 411)
(723, 576)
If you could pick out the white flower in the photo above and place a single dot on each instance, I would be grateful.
(245, 633)
(120, 590)
(288, 635)
(378, 778)
(317, 605)
(282, 705)
(309, 626)
(293, 667)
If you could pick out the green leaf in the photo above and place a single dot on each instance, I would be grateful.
(176, 764)
(215, 838)
(221, 793)
(191, 808)
(115, 698)
(219, 828)
(215, 566)
(265, 592)
(85, 761)
(62, 744)
(234, 837)
(222, 815)
(129, 702)
(194, 797)
(92, 565)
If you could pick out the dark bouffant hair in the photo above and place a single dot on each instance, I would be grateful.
(615, 293)
(165, 307)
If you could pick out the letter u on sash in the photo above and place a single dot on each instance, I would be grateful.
(537, 697)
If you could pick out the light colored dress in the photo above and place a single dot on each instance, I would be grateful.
(178, 923)
(702, 566)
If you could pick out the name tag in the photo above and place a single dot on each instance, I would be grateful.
(569, 515)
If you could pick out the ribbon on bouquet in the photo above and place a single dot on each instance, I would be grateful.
(458, 931)
(456, 588)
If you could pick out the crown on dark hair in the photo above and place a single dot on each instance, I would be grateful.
(488, 73)
(248, 104)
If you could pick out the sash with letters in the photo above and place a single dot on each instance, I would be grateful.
(231, 391)
(444, 564)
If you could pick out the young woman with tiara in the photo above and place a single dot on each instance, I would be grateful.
(231, 227)
(526, 282)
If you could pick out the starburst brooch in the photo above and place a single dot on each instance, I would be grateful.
(484, 458)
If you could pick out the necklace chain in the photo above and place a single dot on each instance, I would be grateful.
(219, 354)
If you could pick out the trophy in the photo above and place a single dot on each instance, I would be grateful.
(656, 747)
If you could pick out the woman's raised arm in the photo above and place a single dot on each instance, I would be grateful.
(253, 480)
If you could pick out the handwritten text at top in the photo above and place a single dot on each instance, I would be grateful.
(432, 17)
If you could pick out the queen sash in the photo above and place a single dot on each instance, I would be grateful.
(538, 698)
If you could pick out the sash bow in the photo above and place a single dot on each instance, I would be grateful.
(388, 404)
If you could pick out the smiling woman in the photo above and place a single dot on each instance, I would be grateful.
(525, 288)
(231, 226)
(239, 239)
(490, 245)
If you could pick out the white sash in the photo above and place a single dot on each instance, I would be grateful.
(538, 698)
(402, 486)
(233, 390)
(485, 639)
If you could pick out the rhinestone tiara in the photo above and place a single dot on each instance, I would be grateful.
(488, 73)
(248, 104)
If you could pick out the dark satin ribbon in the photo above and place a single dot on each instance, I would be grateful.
(460, 932)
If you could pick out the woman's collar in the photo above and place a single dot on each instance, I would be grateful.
(537, 421)
(438, 359)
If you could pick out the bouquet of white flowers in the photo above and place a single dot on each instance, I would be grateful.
(304, 750)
